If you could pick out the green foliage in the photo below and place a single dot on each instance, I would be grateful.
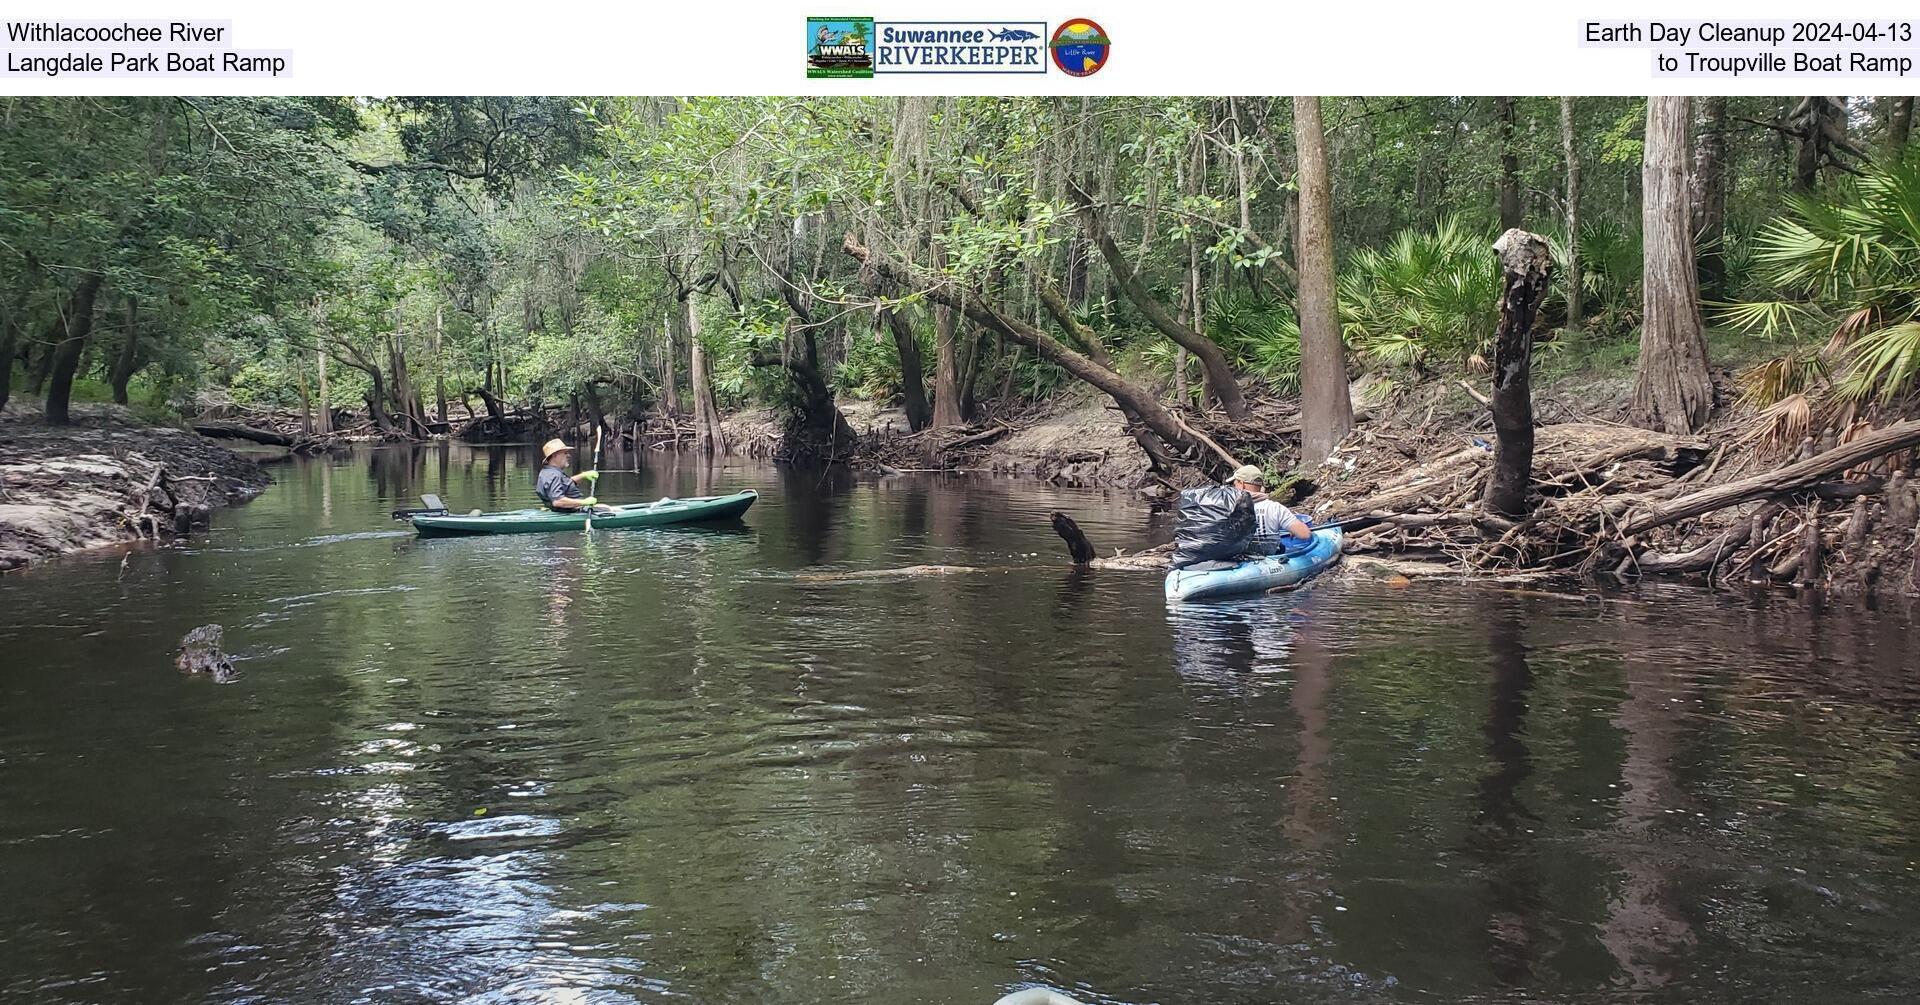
(1611, 259)
(1430, 294)
(872, 368)
(1261, 335)
(554, 243)
(1847, 268)
(1621, 143)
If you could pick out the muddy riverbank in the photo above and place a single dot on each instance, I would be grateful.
(108, 479)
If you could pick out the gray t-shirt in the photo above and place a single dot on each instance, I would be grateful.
(553, 483)
(1271, 518)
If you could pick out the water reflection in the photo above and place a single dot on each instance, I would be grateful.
(1502, 836)
(655, 766)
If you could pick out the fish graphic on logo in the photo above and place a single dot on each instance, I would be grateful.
(1080, 47)
(1013, 35)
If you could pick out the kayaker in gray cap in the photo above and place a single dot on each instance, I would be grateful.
(1273, 522)
(559, 490)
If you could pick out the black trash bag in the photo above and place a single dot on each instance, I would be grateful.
(1215, 524)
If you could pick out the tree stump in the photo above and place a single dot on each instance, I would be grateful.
(1810, 544)
(1913, 581)
(1525, 265)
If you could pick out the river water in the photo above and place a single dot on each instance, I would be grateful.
(679, 765)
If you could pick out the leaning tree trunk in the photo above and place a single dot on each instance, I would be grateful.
(1672, 390)
(377, 401)
(66, 355)
(1221, 382)
(1509, 165)
(1899, 126)
(1576, 285)
(1526, 265)
(1159, 460)
(1164, 424)
(1326, 410)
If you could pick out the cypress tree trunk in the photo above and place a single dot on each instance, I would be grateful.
(377, 401)
(1576, 284)
(1509, 165)
(952, 370)
(1709, 185)
(1899, 125)
(325, 424)
(439, 362)
(66, 354)
(1672, 390)
(708, 438)
(1326, 410)
(306, 399)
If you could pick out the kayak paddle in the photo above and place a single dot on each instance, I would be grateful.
(596, 467)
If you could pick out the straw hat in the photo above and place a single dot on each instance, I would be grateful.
(554, 446)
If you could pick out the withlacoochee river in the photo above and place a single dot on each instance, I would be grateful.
(682, 765)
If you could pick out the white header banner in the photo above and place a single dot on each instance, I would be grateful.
(952, 47)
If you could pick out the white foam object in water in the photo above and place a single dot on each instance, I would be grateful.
(1036, 996)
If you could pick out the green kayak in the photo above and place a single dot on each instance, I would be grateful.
(534, 521)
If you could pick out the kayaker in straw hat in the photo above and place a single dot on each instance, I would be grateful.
(559, 490)
(1272, 521)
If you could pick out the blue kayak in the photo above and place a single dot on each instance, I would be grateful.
(1258, 575)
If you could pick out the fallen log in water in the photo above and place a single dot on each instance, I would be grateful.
(226, 431)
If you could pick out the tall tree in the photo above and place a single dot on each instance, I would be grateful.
(76, 323)
(1899, 124)
(1326, 409)
(1672, 390)
(952, 353)
(1819, 122)
(1509, 165)
(1576, 288)
(1709, 194)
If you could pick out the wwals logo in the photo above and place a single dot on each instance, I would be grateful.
(839, 47)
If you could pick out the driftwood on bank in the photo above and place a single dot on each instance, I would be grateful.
(1794, 477)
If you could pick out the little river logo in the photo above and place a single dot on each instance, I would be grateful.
(839, 47)
(1080, 47)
